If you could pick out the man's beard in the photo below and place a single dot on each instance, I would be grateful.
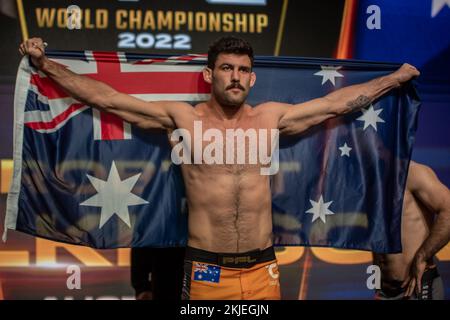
(228, 101)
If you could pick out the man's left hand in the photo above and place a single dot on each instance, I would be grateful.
(414, 280)
(405, 73)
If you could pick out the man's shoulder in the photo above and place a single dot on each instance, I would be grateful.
(201, 104)
(272, 104)
(419, 170)
(180, 104)
(419, 175)
(181, 112)
(180, 107)
(200, 109)
(271, 107)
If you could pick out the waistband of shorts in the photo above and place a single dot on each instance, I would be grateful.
(231, 260)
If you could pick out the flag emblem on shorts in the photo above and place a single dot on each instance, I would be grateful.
(206, 272)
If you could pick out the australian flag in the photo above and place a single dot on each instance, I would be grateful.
(85, 177)
(206, 272)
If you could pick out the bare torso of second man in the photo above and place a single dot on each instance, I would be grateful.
(229, 204)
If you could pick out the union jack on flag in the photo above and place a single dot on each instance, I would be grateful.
(149, 79)
(200, 267)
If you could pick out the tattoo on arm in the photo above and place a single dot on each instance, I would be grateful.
(359, 103)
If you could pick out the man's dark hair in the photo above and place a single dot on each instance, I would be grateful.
(228, 44)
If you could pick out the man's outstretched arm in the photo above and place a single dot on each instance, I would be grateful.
(295, 119)
(147, 115)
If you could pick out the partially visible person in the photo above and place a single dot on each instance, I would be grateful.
(157, 273)
(425, 229)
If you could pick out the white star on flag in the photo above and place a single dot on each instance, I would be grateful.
(329, 73)
(345, 150)
(320, 209)
(437, 6)
(370, 117)
(114, 196)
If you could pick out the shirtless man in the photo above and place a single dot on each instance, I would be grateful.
(425, 230)
(230, 253)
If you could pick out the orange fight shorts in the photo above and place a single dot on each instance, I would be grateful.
(250, 275)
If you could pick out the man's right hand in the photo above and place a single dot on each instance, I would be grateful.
(35, 48)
